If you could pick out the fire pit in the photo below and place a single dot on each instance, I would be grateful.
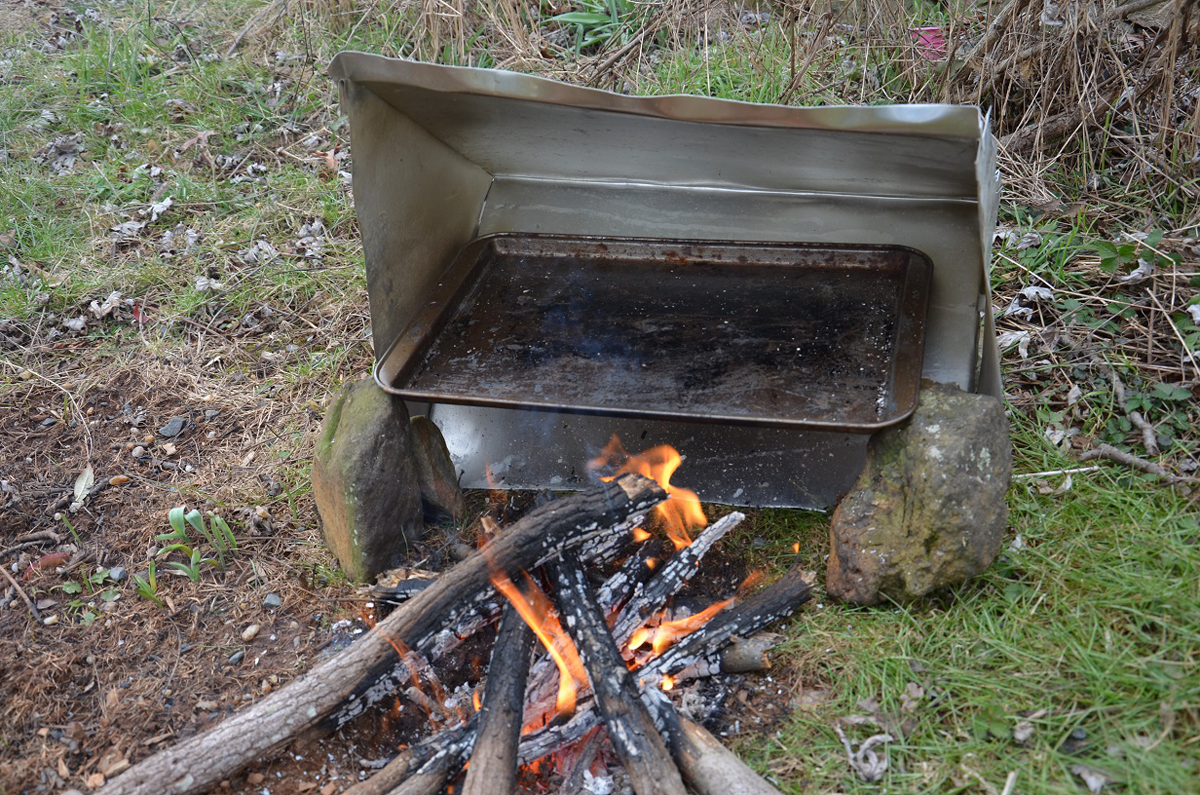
(759, 286)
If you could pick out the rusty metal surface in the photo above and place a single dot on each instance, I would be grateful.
(802, 336)
(444, 155)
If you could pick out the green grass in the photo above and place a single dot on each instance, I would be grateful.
(1092, 624)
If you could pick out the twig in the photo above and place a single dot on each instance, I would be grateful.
(31, 540)
(1148, 437)
(1009, 783)
(1053, 472)
(1110, 453)
(24, 596)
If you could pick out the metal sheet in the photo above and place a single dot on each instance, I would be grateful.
(443, 155)
(816, 337)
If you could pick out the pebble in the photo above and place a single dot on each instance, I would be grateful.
(237, 656)
(255, 778)
(117, 574)
(50, 620)
(174, 427)
(272, 601)
(250, 632)
(118, 480)
(138, 451)
(46, 423)
(207, 706)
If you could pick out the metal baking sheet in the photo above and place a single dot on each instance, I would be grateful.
(784, 335)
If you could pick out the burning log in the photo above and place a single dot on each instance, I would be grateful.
(781, 598)
(631, 729)
(494, 760)
(369, 670)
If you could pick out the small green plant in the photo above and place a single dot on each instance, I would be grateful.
(1115, 256)
(596, 21)
(216, 532)
(147, 587)
(192, 567)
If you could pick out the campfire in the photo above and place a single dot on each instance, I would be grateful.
(586, 650)
(601, 661)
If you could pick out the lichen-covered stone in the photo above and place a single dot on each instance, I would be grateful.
(435, 471)
(365, 481)
(928, 509)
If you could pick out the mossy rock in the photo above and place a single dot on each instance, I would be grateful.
(928, 510)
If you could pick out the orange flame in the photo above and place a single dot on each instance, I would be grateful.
(640, 535)
(535, 609)
(665, 633)
(680, 513)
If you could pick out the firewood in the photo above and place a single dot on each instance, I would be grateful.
(631, 729)
(431, 778)
(645, 600)
(671, 578)
(712, 769)
(368, 670)
(494, 760)
(781, 598)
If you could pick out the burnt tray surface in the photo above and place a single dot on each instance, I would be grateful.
(783, 335)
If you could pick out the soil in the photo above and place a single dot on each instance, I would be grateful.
(103, 677)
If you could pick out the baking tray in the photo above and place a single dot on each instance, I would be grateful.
(784, 335)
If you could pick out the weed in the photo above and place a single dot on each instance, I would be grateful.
(147, 587)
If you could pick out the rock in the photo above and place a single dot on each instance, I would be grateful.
(250, 632)
(174, 427)
(272, 601)
(237, 656)
(365, 481)
(118, 574)
(928, 509)
(440, 493)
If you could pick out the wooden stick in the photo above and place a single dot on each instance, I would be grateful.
(712, 769)
(368, 670)
(494, 761)
(24, 596)
(431, 778)
(631, 729)
(387, 778)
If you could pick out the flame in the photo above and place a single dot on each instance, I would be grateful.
(640, 534)
(668, 682)
(661, 636)
(476, 701)
(535, 609)
(682, 511)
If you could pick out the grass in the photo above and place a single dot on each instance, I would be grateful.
(1086, 629)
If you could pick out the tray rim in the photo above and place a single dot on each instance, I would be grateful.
(411, 345)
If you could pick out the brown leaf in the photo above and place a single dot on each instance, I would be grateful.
(200, 138)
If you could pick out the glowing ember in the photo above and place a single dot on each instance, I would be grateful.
(680, 513)
(667, 682)
(535, 609)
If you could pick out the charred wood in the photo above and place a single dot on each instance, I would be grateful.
(494, 760)
(671, 577)
(631, 728)
(368, 670)
(781, 598)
